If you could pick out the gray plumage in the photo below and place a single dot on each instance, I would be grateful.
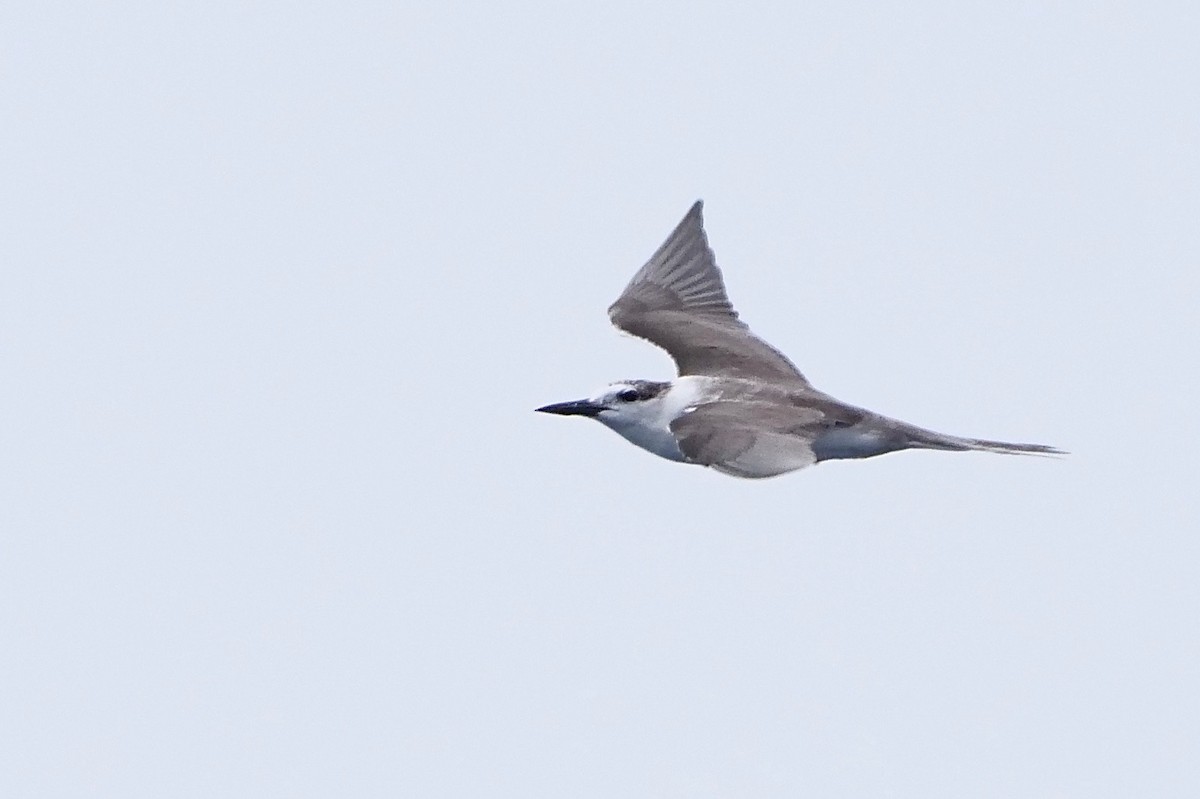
(739, 405)
(678, 301)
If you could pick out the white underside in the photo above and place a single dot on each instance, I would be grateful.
(659, 441)
(648, 424)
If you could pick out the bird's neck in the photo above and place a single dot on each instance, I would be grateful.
(648, 425)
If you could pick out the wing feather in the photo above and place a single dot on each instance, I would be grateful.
(677, 301)
(749, 439)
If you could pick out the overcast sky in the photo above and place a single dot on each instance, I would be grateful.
(282, 284)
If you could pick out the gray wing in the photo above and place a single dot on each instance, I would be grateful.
(678, 301)
(749, 439)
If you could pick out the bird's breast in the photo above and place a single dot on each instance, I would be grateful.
(651, 437)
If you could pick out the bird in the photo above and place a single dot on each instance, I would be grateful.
(737, 405)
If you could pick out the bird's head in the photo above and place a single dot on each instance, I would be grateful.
(626, 401)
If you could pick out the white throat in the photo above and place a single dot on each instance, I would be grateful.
(648, 424)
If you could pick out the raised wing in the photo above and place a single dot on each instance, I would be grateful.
(749, 439)
(678, 302)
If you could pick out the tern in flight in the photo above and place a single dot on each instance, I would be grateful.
(738, 405)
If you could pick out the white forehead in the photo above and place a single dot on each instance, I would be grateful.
(611, 390)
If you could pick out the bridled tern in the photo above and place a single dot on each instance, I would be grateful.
(738, 405)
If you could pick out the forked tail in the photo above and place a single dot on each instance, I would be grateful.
(927, 439)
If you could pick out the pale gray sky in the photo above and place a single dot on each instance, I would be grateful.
(283, 283)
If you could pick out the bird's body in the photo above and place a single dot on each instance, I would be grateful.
(738, 405)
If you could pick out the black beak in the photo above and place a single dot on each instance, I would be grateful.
(576, 408)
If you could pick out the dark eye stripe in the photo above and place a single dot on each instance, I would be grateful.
(628, 395)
